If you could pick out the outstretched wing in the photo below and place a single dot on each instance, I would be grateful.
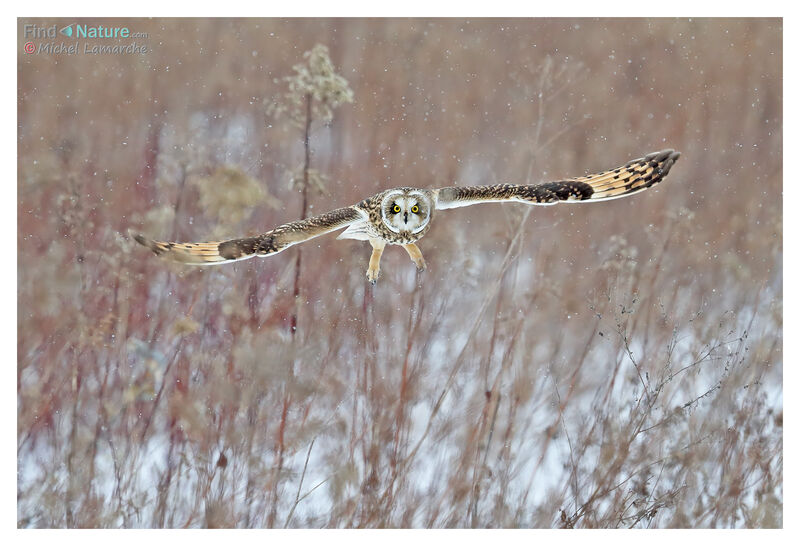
(271, 242)
(634, 176)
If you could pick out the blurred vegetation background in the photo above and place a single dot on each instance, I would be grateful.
(608, 365)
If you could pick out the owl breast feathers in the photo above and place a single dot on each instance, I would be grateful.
(401, 216)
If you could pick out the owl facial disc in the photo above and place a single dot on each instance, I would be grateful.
(405, 211)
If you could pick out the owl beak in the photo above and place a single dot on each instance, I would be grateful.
(406, 217)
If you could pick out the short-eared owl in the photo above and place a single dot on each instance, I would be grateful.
(402, 216)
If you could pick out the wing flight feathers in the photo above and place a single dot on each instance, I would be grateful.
(271, 242)
(635, 176)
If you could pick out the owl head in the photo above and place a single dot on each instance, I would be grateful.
(406, 210)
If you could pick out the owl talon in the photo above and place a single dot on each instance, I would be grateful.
(372, 276)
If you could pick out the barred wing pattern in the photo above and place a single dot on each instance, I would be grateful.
(271, 242)
(635, 176)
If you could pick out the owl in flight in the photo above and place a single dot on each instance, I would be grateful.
(402, 216)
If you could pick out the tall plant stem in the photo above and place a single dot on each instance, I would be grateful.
(303, 211)
(287, 399)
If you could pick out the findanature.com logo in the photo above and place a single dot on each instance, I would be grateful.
(95, 32)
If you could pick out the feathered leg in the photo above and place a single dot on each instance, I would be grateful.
(416, 255)
(375, 260)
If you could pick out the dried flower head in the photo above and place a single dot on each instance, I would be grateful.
(620, 255)
(316, 179)
(230, 193)
(315, 79)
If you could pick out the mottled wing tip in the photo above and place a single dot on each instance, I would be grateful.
(186, 253)
(664, 158)
(149, 243)
(663, 155)
(139, 238)
(635, 176)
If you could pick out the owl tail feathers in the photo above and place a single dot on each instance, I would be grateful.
(187, 253)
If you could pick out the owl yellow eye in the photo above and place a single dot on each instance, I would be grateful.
(396, 209)
(415, 209)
